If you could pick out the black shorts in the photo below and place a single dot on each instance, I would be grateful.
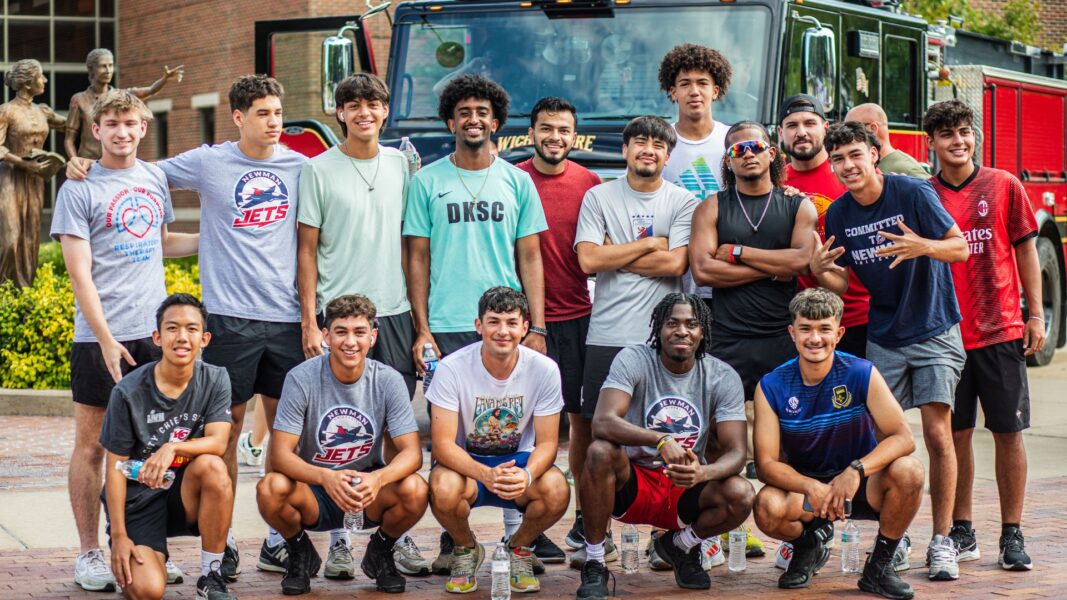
(566, 346)
(854, 341)
(396, 336)
(450, 341)
(861, 507)
(90, 382)
(256, 354)
(995, 376)
(598, 361)
(331, 516)
(753, 357)
(152, 516)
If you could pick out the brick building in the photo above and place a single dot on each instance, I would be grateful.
(1053, 20)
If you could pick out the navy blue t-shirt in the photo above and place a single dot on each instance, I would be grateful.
(824, 427)
(916, 300)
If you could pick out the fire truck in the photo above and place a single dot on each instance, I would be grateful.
(604, 55)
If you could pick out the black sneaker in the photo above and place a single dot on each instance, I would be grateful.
(576, 536)
(213, 587)
(231, 563)
(1013, 556)
(442, 565)
(966, 542)
(594, 581)
(274, 560)
(378, 564)
(304, 563)
(547, 550)
(809, 555)
(688, 573)
(881, 578)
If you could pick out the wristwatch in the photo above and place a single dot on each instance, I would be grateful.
(736, 253)
(538, 330)
(856, 464)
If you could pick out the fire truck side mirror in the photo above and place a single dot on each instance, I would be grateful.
(338, 62)
(819, 65)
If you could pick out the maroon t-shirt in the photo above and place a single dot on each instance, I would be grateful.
(566, 294)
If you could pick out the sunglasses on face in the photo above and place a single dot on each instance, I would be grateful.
(738, 150)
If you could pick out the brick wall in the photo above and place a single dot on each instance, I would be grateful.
(1053, 20)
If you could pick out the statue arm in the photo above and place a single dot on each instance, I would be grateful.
(157, 86)
(55, 121)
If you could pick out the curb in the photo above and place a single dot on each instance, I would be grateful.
(36, 403)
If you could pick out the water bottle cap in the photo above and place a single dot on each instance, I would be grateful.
(404, 139)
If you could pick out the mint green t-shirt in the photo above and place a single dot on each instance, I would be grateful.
(472, 243)
(359, 229)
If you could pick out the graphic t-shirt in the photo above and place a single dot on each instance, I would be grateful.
(120, 212)
(566, 293)
(472, 243)
(359, 229)
(247, 228)
(496, 416)
(696, 165)
(995, 215)
(826, 426)
(914, 301)
(822, 187)
(341, 424)
(623, 303)
(683, 405)
(140, 418)
(898, 162)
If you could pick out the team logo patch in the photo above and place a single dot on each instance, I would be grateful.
(262, 199)
(793, 405)
(642, 226)
(676, 416)
(345, 435)
(983, 208)
(180, 434)
(842, 397)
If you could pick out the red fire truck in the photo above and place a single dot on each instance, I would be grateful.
(603, 55)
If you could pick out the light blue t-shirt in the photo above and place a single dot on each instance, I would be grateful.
(472, 244)
(247, 228)
(120, 212)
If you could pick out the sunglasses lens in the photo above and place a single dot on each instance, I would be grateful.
(738, 150)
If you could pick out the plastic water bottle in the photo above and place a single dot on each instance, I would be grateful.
(850, 548)
(737, 549)
(354, 520)
(631, 544)
(501, 573)
(132, 469)
(412, 155)
(430, 358)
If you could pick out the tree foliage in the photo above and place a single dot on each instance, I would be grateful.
(1017, 20)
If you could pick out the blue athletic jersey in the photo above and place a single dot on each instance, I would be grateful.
(826, 426)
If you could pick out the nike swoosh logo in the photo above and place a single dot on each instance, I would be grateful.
(443, 194)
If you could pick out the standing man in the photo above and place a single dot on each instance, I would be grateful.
(495, 436)
(113, 229)
(651, 461)
(561, 184)
(999, 225)
(633, 233)
(892, 231)
(890, 160)
(802, 127)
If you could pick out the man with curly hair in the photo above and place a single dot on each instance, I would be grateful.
(472, 223)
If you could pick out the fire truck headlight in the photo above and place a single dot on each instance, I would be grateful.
(1049, 198)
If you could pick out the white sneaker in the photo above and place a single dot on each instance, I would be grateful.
(174, 574)
(408, 559)
(783, 556)
(339, 562)
(247, 453)
(901, 554)
(711, 554)
(941, 558)
(92, 572)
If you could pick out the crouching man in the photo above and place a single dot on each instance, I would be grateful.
(651, 461)
(326, 452)
(174, 415)
(495, 431)
(828, 430)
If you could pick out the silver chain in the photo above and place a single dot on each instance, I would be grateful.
(754, 226)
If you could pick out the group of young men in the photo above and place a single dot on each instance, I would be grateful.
(324, 280)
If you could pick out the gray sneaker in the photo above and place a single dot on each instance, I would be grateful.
(408, 559)
(655, 562)
(901, 554)
(941, 558)
(174, 574)
(92, 572)
(611, 554)
(339, 562)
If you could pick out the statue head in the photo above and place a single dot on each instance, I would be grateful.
(26, 73)
(100, 63)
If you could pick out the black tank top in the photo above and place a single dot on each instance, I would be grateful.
(760, 308)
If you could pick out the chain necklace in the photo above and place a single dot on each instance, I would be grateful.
(474, 197)
(377, 164)
(754, 226)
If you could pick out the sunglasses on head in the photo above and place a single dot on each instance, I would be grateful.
(756, 146)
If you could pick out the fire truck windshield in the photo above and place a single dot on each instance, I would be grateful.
(607, 65)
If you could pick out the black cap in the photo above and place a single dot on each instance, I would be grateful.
(800, 103)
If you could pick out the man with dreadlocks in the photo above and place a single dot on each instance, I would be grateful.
(651, 450)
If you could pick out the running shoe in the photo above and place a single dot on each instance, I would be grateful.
(711, 554)
(966, 542)
(92, 573)
(1013, 556)
(522, 578)
(941, 558)
(380, 565)
(273, 559)
(576, 536)
(655, 561)
(304, 563)
(611, 553)
(442, 565)
(688, 573)
(174, 574)
(753, 545)
(547, 551)
(407, 557)
(231, 563)
(250, 455)
(339, 562)
(901, 560)
(463, 577)
(594, 584)
(213, 586)
(881, 578)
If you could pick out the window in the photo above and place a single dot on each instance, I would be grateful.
(899, 99)
(207, 125)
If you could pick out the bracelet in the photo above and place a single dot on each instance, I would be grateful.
(541, 331)
(1038, 319)
(663, 440)
(529, 477)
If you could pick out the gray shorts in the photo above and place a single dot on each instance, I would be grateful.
(924, 372)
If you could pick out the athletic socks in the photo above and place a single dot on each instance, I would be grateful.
(594, 552)
(340, 534)
(1006, 527)
(884, 548)
(962, 523)
(512, 521)
(686, 539)
(210, 561)
(274, 538)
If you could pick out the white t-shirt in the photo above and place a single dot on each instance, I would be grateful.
(696, 165)
(496, 416)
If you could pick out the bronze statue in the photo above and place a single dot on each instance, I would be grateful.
(24, 166)
(100, 63)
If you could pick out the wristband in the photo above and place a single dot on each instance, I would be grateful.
(730, 254)
(541, 331)
(1037, 319)
(663, 440)
(529, 477)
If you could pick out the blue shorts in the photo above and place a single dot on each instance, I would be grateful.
(332, 516)
(487, 498)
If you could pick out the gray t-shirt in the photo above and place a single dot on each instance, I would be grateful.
(684, 406)
(247, 228)
(120, 212)
(623, 302)
(341, 425)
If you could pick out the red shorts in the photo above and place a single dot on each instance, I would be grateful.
(655, 502)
